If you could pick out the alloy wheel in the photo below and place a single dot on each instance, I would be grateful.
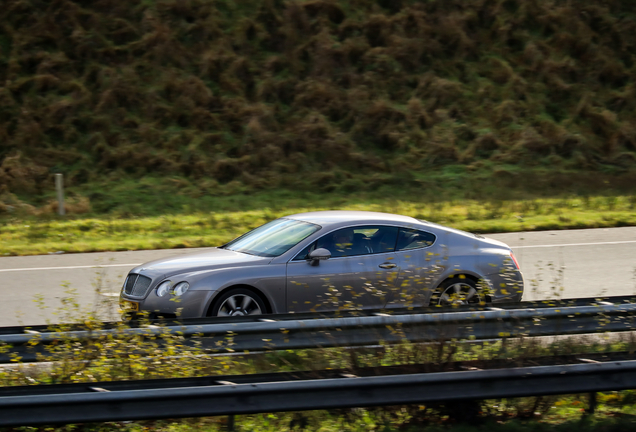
(459, 293)
(239, 305)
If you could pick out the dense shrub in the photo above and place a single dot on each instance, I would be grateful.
(266, 92)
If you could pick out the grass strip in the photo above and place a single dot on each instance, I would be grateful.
(32, 236)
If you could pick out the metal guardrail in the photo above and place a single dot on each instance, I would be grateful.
(177, 398)
(610, 314)
(538, 304)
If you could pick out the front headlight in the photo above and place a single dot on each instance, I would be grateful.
(180, 288)
(163, 288)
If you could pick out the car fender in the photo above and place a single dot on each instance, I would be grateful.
(268, 280)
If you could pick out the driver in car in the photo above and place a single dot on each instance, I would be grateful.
(338, 243)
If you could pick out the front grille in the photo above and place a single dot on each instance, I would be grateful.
(136, 285)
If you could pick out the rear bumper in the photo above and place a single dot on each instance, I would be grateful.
(506, 287)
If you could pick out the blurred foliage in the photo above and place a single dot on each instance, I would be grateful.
(226, 97)
(161, 353)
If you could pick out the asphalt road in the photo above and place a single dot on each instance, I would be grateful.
(566, 264)
(575, 263)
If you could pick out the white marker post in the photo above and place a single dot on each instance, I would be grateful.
(59, 187)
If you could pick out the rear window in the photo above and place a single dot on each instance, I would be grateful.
(414, 239)
(451, 229)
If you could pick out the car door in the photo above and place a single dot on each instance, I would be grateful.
(421, 260)
(359, 275)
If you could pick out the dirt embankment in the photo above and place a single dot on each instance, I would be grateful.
(269, 92)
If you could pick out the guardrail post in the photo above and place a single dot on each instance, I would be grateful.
(59, 187)
(230, 423)
(591, 408)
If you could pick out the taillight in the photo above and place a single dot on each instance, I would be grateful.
(514, 260)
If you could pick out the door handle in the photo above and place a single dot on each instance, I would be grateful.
(388, 265)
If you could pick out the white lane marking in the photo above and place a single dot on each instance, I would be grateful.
(137, 264)
(574, 244)
(69, 267)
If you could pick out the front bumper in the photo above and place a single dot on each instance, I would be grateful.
(192, 304)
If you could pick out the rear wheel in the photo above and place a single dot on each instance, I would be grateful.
(457, 291)
(239, 302)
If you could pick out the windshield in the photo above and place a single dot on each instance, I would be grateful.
(274, 238)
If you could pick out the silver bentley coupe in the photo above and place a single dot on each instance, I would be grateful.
(326, 261)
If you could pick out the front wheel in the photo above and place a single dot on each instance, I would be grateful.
(457, 291)
(239, 302)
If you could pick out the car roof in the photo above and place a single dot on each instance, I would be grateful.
(337, 217)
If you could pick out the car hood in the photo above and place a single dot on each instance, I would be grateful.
(213, 259)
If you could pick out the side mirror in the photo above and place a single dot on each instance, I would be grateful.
(318, 255)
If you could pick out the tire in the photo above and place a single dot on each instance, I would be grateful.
(457, 291)
(239, 302)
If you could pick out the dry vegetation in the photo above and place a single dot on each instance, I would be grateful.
(332, 94)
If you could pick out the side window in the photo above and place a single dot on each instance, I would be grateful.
(383, 240)
(346, 242)
(414, 239)
(354, 241)
(304, 254)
